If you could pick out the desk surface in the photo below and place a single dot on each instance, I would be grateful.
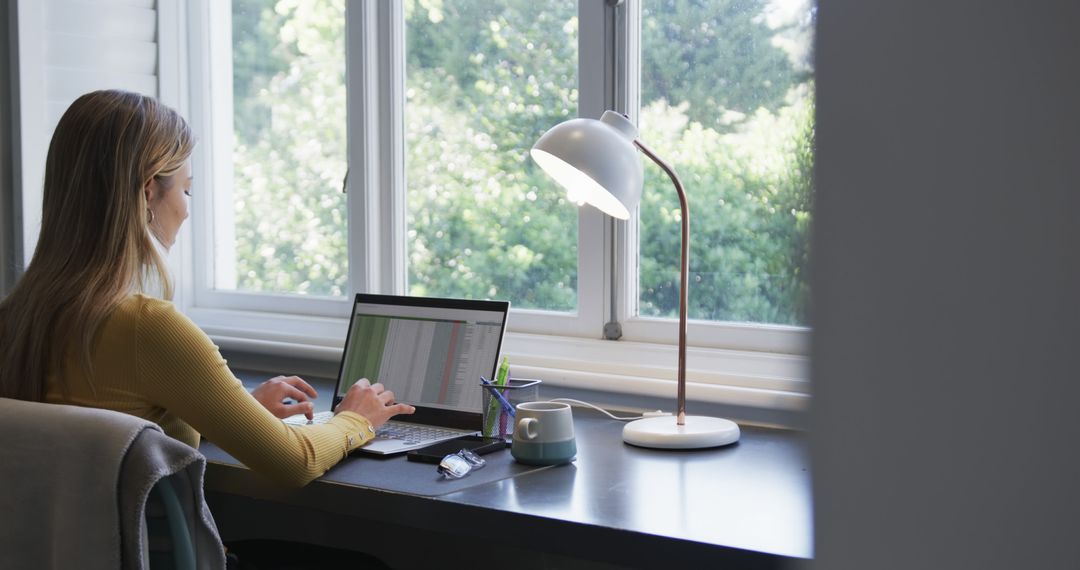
(616, 505)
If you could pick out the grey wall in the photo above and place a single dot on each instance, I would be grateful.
(947, 269)
(7, 85)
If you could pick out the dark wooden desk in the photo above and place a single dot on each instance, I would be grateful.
(745, 506)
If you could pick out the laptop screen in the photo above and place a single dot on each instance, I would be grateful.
(430, 352)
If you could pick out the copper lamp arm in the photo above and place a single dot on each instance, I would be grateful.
(684, 277)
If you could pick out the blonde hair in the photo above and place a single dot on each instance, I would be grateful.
(94, 247)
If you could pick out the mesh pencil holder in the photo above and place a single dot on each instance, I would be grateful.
(498, 421)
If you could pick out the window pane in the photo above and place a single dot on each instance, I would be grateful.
(483, 81)
(289, 154)
(727, 98)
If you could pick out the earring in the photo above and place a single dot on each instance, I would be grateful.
(150, 214)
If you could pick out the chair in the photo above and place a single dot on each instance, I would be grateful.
(169, 542)
(92, 488)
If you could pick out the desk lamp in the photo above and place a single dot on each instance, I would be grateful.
(596, 162)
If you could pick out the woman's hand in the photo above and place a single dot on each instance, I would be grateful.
(373, 401)
(272, 393)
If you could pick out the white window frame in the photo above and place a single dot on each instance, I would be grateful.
(738, 363)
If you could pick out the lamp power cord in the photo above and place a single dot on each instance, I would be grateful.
(609, 414)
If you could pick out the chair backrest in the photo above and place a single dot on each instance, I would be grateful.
(81, 481)
(169, 543)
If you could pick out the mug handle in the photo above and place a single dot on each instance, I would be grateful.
(525, 429)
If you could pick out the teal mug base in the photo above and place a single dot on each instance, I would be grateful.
(543, 453)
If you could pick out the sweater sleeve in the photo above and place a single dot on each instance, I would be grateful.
(183, 372)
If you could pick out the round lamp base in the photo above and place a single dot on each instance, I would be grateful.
(698, 432)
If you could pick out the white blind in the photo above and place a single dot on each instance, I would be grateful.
(98, 44)
(68, 48)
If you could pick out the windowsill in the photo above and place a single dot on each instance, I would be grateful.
(751, 386)
(618, 375)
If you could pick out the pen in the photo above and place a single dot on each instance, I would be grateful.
(503, 372)
(498, 395)
(493, 407)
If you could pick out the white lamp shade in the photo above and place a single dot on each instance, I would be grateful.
(595, 161)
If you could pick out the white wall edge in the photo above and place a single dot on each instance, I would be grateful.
(32, 137)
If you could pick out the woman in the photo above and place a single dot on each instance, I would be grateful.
(78, 328)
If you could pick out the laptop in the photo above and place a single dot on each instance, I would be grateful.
(431, 354)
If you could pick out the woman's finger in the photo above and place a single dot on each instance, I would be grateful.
(305, 408)
(290, 392)
(298, 382)
(378, 387)
(386, 397)
(400, 409)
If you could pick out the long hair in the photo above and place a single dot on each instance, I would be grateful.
(94, 247)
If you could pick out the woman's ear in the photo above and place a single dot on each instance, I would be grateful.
(150, 189)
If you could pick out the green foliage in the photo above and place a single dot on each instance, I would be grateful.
(717, 55)
(289, 154)
(748, 194)
(258, 57)
(484, 221)
(727, 99)
(728, 102)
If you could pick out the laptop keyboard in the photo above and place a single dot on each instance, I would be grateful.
(406, 432)
(301, 419)
(414, 433)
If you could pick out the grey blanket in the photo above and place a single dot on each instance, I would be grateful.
(75, 483)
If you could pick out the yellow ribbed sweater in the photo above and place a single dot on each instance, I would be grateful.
(151, 361)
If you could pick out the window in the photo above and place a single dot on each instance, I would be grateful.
(431, 107)
(726, 97)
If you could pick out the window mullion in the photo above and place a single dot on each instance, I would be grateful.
(620, 247)
(392, 147)
(362, 99)
(594, 97)
(609, 80)
(627, 91)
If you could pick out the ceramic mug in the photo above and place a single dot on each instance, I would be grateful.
(543, 434)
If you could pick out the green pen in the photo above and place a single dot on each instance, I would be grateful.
(503, 373)
(494, 408)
